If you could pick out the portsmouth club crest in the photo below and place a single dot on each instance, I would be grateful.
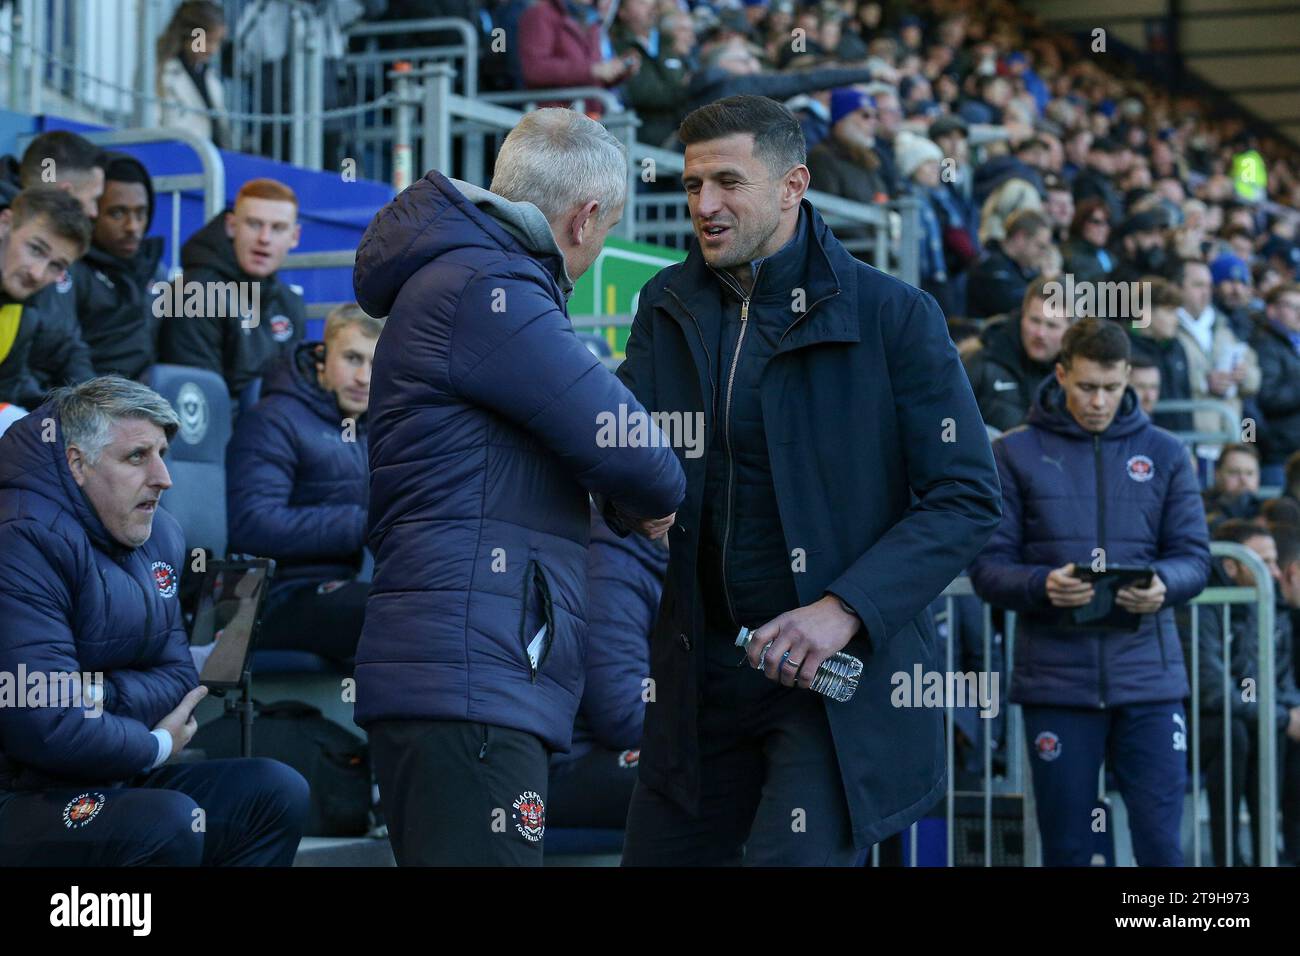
(530, 815)
(164, 576)
(82, 809)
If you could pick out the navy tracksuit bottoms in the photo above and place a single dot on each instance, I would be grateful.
(241, 812)
(1145, 745)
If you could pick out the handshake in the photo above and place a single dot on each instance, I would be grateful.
(652, 528)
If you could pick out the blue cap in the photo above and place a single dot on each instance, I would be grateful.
(846, 100)
(1228, 267)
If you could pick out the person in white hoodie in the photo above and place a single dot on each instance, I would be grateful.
(187, 85)
(1219, 365)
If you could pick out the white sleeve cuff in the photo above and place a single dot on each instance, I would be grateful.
(164, 747)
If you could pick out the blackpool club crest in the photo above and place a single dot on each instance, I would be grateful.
(530, 815)
(82, 809)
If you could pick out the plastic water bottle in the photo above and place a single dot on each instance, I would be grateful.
(837, 678)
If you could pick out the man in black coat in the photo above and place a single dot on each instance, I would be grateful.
(112, 285)
(998, 281)
(248, 319)
(1277, 343)
(846, 480)
(1016, 353)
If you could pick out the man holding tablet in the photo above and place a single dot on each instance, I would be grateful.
(1102, 533)
(92, 638)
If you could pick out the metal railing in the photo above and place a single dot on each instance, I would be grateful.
(998, 655)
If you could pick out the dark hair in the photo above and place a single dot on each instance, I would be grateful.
(1032, 143)
(1286, 535)
(1083, 211)
(1286, 288)
(1142, 361)
(1037, 289)
(189, 16)
(1164, 294)
(1022, 221)
(1098, 340)
(71, 154)
(60, 210)
(1240, 530)
(1178, 270)
(1239, 448)
(778, 138)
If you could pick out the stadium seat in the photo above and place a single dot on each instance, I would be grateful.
(197, 455)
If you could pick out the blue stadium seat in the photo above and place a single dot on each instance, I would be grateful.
(197, 456)
(272, 661)
(597, 344)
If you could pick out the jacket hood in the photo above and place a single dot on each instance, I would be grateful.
(295, 376)
(29, 464)
(1002, 343)
(436, 215)
(1049, 411)
(125, 167)
(143, 264)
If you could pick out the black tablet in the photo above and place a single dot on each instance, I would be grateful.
(228, 617)
(1102, 611)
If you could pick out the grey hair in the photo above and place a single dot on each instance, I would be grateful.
(87, 411)
(557, 159)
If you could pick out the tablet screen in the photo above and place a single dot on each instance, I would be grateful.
(226, 618)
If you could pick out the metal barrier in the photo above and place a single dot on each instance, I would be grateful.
(998, 651)
(1228, 417)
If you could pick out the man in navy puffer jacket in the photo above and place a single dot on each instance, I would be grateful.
(89, 568)
(1089, 478)
(296, 487)
(485, 441)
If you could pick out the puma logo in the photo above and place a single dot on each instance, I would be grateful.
(1058, 462)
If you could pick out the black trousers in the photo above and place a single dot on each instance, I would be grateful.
(457, 793)
(323, 617)
(593, 790)
(243, 812)
(771, 793)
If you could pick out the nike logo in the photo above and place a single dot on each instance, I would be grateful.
(1058, 462)
(1001, 386)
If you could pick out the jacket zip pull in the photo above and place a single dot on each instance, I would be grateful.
(744, 310)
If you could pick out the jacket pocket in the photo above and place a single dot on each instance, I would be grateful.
(537, 613)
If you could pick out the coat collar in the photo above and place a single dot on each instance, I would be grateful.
(828, 271)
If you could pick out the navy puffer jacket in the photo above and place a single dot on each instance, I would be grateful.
(1130, 490)
(625, 579)
(297, 478)
(484, 445)
(73, 599)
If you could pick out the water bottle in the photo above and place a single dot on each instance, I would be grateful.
(837, 678)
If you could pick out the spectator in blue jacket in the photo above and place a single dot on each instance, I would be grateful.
(89, 568)
(591, 785)
(490, 424)
(296, 487)
(1089, 481)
